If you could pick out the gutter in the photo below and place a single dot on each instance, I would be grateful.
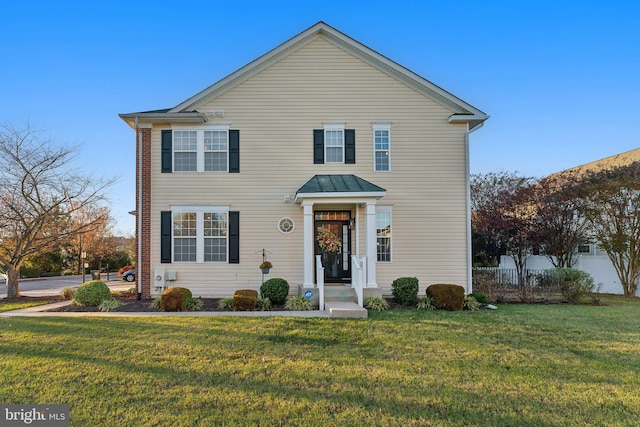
(139, 209)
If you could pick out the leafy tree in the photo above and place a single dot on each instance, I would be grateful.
(612, 209)
(502, 212)
(39, 194)
(559, 226)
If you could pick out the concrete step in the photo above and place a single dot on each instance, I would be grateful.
(344, 309)
(339, 293)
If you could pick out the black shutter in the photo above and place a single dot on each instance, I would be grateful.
(165, 236)
(234, 151)
(350, 146)
(234, 237)
(318, 146)
(167, 151)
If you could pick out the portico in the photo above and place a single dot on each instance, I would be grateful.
(349, 193)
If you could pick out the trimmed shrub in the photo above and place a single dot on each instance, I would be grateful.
(276, 290)
(447, 297)
(91, 293)
(245, 299)
(574, 284)
(405, 291)
(481, 297)
(174, 299)
(298, 303)
(376, 303)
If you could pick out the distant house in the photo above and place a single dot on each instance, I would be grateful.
(319, 136)
(591, 257)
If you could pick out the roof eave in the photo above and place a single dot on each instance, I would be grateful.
(340, 195)
(164, 118)
(474, 120)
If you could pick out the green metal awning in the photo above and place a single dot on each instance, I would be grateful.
(339, 186)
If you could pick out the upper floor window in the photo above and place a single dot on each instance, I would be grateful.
(215, 150)
(201, 150)
(185, 150)
(382, 147)
(334, 144)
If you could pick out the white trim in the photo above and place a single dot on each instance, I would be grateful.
(336, 197)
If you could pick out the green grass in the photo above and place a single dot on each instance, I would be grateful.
(8, 306)
(522, 365)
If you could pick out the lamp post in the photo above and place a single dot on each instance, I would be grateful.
(83, 257)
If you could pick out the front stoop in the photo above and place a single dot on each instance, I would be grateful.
(344, 309)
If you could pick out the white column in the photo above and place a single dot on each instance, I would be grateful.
(372, 252)
(308, 257)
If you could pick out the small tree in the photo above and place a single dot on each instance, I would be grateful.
(39, 193)
(504, 213)
(559, 226)
(612, 209)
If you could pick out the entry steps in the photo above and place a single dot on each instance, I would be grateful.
(340, 301)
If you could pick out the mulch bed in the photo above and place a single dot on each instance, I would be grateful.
(131, 304)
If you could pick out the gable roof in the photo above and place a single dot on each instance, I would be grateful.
(462, 112)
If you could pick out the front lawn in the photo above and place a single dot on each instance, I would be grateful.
(524, 365)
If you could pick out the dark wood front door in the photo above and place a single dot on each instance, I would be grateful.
(337, 263)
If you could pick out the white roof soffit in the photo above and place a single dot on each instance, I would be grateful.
(459, 107)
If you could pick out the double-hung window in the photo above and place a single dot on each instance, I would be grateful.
(382, 147)
(216, 143)
(334, 143)
(201, 150)
(383, 233)
(185, 150)
(200, 234)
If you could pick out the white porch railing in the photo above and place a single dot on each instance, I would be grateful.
(320, 281)
(358, 277)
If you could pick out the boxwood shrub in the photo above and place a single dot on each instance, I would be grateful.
(92, 293)
(405, 291)
(276, 290)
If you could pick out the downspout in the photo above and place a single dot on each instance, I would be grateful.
(139, 210)
(468, 185)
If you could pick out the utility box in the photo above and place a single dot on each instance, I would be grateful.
(95, 274)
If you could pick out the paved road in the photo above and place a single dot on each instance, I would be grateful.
(54, 285)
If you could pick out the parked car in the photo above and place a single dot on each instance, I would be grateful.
(129, 276)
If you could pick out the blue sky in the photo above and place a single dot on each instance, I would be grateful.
(560, 79)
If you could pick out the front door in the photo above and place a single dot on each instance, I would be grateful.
(333, 242)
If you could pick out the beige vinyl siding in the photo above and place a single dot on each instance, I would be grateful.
(276, 112)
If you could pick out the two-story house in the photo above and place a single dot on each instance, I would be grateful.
(321, 136)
